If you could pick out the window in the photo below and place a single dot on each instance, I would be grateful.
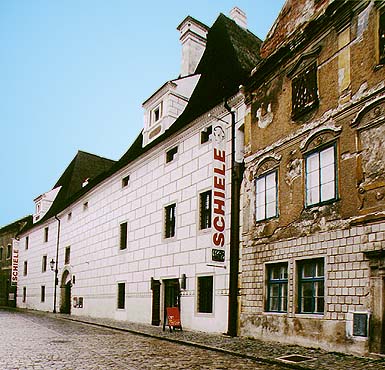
(205, 294)
(170, 221)
(69, 216)
(320, 176)
(123, 235)
(205, 210)
(170, 154)
(1, 253)
(42, 293)
(25, 271)
(156, 114)
(277, 288)
(266, 196)
(26, 242)
(44, 264)
(381, 34)
(46, 234)
(24, 294)
(311, 286)
(125, 181)
(85, 206)
(205, 134)
(67, 256)
(121, 295)
(304, 91)
(9, 251)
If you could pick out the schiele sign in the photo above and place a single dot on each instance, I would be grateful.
(219, 193)
(15, 262)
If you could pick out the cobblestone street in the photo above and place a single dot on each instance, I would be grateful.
(30, 341)
(41, 340)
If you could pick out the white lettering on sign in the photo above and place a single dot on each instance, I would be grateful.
(15, 262)
(219, 194)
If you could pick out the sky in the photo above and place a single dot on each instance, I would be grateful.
(74, 75)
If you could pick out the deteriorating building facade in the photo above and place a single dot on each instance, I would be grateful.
(314, 185)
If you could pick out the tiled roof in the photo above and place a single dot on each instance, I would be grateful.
(17, 225)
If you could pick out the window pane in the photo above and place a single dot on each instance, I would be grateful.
(327, 174)
(270, 181)
(327, 157)
(260, 199)
(312, 196)
(271, 195)
(307, 270)
(327, 191)
(205, 294)
(312, 163)
(260, 212)
(270, 210)
(312, 180)
(260, 185)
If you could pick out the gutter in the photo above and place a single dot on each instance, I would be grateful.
(56, 264)
(236, 177)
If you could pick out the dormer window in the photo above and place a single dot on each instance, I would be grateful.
(156, 114)
(38, 208)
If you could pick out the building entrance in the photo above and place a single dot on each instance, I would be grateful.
(65, 289)
(171, 296)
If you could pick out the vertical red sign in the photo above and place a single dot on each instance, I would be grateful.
(219, 193)
(15, 262)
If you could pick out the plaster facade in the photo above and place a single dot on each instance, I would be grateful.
(312, 269)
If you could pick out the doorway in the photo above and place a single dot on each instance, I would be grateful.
(65, 289)
(171, 296)
(155, 287)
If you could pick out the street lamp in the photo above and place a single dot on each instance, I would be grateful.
(52, 264)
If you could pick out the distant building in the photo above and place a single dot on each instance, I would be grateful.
(7, 238)
(152, 230)
(314, 186)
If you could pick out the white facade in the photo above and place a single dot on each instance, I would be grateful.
(97, 264)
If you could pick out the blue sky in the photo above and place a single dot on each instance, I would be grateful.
(74, 75)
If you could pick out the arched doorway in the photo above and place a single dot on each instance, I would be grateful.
(65, 292)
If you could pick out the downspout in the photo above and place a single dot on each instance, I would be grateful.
(236, 176)
(56, 263)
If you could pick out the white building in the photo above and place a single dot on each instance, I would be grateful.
(132, 237)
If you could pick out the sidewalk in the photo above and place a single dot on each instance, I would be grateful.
(267, 352)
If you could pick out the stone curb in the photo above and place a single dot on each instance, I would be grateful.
(190, 343)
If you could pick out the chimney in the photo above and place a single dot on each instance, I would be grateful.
(239, 17)
(193, 39)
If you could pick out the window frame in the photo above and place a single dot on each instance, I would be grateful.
(9, 252)
(258, 178)
(205, 136)
(207, 295)
(26, 245)
(318, 151)
(1, 253)
(171, 154)
(153, 118)
(125, 181)
(205, 213)
(121, 296)
(24, 297)
(44, 263)
(170, 221)
(281, 283)
(67, 255)
(302, 77)
(25, 268)
(123, 235)
(42, 293)
(46, 234)
(314, 280)
(381, 32)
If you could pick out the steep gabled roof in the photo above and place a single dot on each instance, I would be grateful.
(84, 166)
(17, 225)
(231, 53)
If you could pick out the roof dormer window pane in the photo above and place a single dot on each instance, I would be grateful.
(156, 113)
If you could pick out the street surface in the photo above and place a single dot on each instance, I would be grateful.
(33, 341)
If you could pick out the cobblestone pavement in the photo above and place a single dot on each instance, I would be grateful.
(36, 340)
(30, 340)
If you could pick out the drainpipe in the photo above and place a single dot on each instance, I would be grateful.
(236, 176)
(56, 264)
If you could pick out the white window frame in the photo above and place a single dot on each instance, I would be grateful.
(266, 196)
(321, 176)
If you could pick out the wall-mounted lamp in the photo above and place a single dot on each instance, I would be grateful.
(52, 264)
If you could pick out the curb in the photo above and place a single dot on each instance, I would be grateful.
(192, 344)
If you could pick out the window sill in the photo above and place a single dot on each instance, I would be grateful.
(205, 314)
(378, 66)
(310, 315)
(276, 313)
(321, 204)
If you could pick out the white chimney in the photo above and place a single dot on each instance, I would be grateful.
(239, 17)
(193, 39)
